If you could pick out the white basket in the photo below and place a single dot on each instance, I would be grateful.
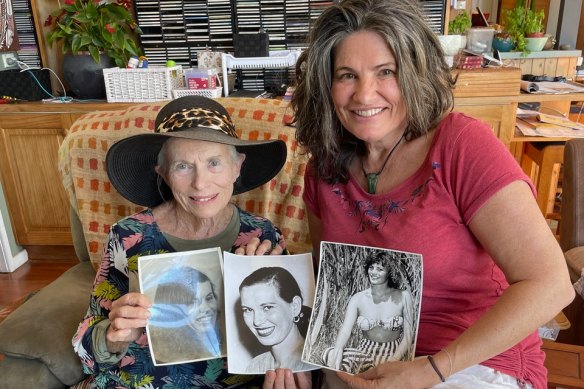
(211, 93)
(142, 84)
(276, 62)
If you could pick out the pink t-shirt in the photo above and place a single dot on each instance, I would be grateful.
(429, 214)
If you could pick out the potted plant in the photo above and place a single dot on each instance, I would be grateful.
(104, 30)
(460, 24)
(95, 27)
(455, 40)
(534, 23)
(522, 22)
(502, 41)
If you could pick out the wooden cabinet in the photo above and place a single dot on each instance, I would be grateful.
(30, 136)
(489, 94)
(28, 157)
(498, 113)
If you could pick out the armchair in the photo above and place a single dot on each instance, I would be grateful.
(572, 209)
(36, 338)
(572, 233)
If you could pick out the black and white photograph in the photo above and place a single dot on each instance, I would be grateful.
(268, 307)
(186, 290)
(367, 307)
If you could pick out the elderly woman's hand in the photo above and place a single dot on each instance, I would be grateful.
(128, 316)
(255, 247)
(285, 379)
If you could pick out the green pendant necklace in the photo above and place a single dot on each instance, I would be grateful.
(373, 177)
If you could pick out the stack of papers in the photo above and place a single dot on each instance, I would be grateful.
(551, 87)
(539, 124)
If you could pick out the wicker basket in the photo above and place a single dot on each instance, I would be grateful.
(211, 93)
(143, 84)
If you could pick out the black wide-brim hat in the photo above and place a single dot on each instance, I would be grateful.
(130, 162)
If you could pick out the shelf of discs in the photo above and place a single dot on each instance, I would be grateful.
(178, 29)
(29, 50)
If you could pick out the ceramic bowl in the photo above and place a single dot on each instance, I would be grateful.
(476, 19)
(451, 44)
(535, 44)
(503, 44)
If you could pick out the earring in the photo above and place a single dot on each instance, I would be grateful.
(297, 317)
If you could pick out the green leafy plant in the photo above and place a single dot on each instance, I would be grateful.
(520, 21)
(460, 24)
(95, 26)
(534, 22)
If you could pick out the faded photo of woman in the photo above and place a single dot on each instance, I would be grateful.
(186, 322)
(184, 325)
(383, 313)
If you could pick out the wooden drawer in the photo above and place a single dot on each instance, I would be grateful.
(487, 82)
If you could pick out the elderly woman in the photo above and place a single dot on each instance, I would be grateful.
(185, 174)
(393, 167)
(383, 312)
(271, 302)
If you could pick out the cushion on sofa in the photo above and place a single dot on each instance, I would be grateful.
(42, 327)
(575, 260)
(30, 373)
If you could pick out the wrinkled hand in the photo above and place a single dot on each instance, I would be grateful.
(254, 247)
(390, 375)
(285, 379)
(128, 317)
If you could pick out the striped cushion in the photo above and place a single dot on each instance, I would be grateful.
(82, 168)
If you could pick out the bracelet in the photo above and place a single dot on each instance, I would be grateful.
(435, 368)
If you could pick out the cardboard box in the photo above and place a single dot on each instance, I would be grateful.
(201, 78)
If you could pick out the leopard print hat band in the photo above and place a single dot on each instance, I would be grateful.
(130, 162)
(197, 117)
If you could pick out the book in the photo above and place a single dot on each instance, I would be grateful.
(532, 126)
(559, 121)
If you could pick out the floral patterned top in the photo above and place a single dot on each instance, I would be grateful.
(129, 238)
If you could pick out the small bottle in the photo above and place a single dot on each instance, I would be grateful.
(142, 62)
(132, 62)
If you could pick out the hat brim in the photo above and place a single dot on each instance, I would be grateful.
(130, 163)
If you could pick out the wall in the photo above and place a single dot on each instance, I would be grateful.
(489, 6)
(14, 247)
(12, 256)
(568, 20)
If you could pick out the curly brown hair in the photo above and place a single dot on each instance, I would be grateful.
(424, 78)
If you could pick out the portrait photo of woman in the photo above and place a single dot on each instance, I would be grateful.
(372, 305)
(267, 326)
(186, 316)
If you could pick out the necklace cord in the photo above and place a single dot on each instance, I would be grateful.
(373, 177)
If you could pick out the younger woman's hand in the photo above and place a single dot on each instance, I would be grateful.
(285, 379)
(394, 375)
